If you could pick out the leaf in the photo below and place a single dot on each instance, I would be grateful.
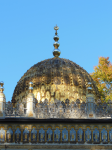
(102, 75)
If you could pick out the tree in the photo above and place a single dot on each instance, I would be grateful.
(102, 75)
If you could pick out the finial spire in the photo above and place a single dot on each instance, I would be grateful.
(56, 51)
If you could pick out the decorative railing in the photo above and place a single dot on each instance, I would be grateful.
(18, 111)
(73, 110)
(40, 135)
(74, 136)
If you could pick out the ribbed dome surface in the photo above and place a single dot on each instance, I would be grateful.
(55, 75)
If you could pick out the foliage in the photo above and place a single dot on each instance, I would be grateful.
(102, 75)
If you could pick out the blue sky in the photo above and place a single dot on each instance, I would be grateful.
(27, 30)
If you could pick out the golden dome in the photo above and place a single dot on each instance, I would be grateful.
(55, 78)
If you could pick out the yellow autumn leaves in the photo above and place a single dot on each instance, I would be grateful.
(102, 75)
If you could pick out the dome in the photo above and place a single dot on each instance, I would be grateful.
(55, 78)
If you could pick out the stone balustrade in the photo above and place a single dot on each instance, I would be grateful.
(73, 110)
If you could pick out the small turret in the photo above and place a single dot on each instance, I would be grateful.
(90, 101)
(30, 101)
(2, 100)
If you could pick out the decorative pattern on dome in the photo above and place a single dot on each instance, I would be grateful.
(55, 78)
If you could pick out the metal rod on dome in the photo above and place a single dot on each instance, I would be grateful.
(56, 44)
(1, 86)
(30, 87)
(89, 87)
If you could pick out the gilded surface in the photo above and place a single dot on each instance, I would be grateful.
(55, 78)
